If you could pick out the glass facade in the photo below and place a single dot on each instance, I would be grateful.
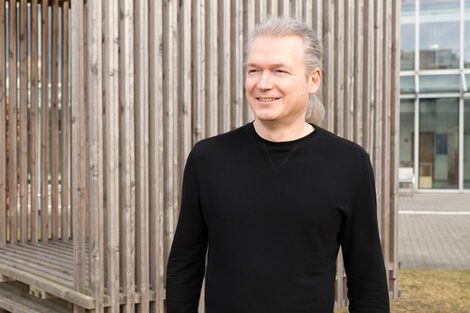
(435, 93)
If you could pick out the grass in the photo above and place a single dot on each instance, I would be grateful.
(431, 291)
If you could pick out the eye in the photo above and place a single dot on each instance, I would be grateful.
(251, 71)
(281, 71)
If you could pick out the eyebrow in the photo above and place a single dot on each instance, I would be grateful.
(275, 65)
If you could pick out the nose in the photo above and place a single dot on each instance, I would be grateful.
(265, 81)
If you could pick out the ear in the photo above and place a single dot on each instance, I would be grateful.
(314, 81)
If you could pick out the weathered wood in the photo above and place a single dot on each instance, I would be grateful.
(395, 142)
(14, 297)
(96, 157)
(142, 147)
(368, 67)
(249, 26)
(328, 63)
(78, 141)
(212, 68)
(349, 57)
(3, 122)
(44, 124)
(65, 128)
(386, 130)
(12, 128)
(156, 184)
(225, 57)
(55, 122)
(358, 70)
(339, 73)
(111, 149)
(34, 137)
(62, 290)
(23, 122)
(236, 62)
(126, 147)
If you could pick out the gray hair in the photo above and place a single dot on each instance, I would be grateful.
(284, 26)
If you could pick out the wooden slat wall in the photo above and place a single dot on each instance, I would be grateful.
(33, 146)
(148, 80)
(3, 121)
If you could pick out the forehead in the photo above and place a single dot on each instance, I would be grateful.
(276, 49)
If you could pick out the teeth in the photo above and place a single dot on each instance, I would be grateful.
(267, 99)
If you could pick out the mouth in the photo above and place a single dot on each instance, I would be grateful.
(266, 99)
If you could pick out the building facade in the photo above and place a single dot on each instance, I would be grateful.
(435, 94)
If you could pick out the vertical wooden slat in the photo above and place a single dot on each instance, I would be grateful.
(338, 105)
(44, 123)
(3, 144)
(156, 184)
(34, 121)
(285, 8)
(339, 108)
(395, 137)
(249, 23)
(348, 68)
(111, 148)
(261, 10)
(23, 158)
(199, 74)
(236, 63)
(142, 149)
(79, 150)
(65, 127)
(358, 69)
(169, 96)
(94, 68)
(184, 120)
(377, 104)
(12, 127)
(55, 122)
(368, 68)
(273, 8)
(328, 63)
(126, 151)
(212, 68)
(224, 67)
(386, 140)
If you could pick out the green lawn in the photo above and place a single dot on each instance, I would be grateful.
(431, 291)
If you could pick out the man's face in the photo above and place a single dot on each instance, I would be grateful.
(277, 87)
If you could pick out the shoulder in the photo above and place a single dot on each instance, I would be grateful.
(343, 149)
(220, 144)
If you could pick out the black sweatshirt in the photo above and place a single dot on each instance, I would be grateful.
(273, 216)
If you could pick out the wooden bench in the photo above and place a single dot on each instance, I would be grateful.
(15, 297)
(406, 176)
(47, 268)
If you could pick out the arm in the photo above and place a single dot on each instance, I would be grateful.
(362, 254)
(186, 262)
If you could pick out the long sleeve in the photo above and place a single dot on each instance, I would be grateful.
(186, 262)
(360, 241)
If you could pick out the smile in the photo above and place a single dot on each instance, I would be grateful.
(266, 99)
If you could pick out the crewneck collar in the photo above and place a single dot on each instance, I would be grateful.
(288, 143)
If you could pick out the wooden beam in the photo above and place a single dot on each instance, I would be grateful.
(44, 124)
(156, 174)
(3, 128)
(111, 147)
(94, 68)
(65, 128)
(55, 122)
(142, 150)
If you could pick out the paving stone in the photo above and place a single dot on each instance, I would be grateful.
(431, 240)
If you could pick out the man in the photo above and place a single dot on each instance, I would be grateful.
(276, 198)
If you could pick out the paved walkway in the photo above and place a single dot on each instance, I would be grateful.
(434, 231)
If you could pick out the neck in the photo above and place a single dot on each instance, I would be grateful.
(277, 133)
